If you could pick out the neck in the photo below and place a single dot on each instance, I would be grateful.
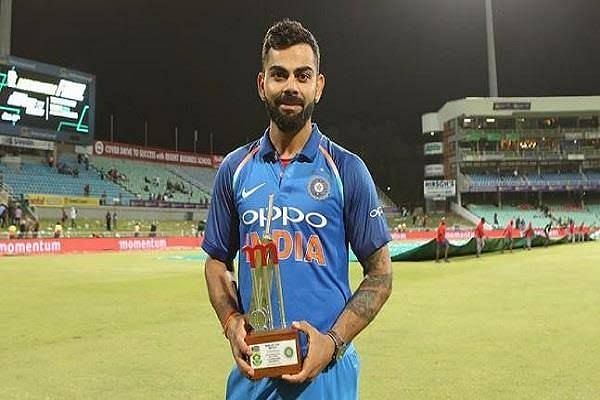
(288, 145)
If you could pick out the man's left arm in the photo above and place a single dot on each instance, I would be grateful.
(361, 309)
(369, 297)
(367, 233)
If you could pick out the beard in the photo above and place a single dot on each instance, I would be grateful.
(289, 123)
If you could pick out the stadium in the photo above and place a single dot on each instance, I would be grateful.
(102, 280)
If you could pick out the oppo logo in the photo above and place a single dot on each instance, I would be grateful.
(288, 215)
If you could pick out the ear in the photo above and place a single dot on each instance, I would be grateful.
(320, 87)
(260, 85)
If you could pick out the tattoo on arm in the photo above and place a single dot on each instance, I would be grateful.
(375, 287)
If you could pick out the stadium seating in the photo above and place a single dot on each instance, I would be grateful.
(593, 175)
(137, 172)
(202, 178)
(590, 216)
(506, 213)
(36, 177)
(484, 180)
(478, 180)
(557, 179)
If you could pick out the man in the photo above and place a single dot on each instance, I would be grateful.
(529, 236)
(580, 232)
(58, 229)
(3, 215)
(480, 236)
(507, 235)
(324, 200)
(18, 215)
(73, 213)
(108, 221)
(153, 229)
(571, 231)
(547, 230)
(441, 241)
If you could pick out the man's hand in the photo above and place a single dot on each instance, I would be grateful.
(320, 351)
(236, 333)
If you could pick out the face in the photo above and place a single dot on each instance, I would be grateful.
(290, 86)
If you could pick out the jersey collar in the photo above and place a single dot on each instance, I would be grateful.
(308, 153)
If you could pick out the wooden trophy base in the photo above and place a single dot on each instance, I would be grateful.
(274, 353)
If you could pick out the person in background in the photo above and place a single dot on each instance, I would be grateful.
(201, 227)
(153, 229)
(3, 215)
(18, 215)
(547, 230)
(581, 232)
(480, 236)
(441, 241)
(108, 221)
(23, 229)
(114, 220)
(571, 231)
(508, 237)
(136, 229)
(73, 213)
(528, 236)
(58, 230)
(35, 232)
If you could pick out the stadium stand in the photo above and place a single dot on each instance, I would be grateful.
(148, 179)
(35, 176)
(506, 213)
(589, 215)
(202, 178)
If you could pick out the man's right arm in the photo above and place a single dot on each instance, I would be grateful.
(223, 297)
(221, 288)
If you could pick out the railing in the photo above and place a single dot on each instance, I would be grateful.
(579, 155)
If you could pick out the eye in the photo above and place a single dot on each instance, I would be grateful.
(279, 75)
(304, 76)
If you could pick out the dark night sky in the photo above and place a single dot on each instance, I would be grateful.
(194, 63)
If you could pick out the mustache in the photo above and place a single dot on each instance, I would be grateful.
(289, 100)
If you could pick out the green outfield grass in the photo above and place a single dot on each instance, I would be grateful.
(139, 326)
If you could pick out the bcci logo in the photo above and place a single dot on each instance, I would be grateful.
(318, 188)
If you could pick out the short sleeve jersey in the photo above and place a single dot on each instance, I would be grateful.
(441, 233)
(325, 200)
(479, 230)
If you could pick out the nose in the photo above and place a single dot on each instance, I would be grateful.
(291, 88)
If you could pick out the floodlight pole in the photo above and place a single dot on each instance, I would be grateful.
(176, 138)
(146, 133)
(5, 26)
(491, 49)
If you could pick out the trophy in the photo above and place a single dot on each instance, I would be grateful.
(275, 349)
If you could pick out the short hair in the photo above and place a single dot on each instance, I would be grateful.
(287, 33)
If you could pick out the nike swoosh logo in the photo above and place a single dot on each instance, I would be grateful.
(246, 193)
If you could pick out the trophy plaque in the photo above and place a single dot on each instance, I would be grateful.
(275, 349)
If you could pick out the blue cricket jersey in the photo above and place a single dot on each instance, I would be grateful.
(325, 199)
